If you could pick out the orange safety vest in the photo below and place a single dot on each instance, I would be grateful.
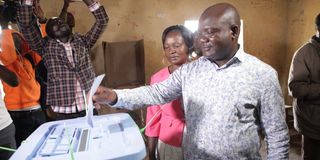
(27, 93)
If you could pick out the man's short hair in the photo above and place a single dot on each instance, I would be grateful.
(318, 20)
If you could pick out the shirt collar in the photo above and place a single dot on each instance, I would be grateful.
(60, 42)
(237, 58)
(240, 55)
(69, 40)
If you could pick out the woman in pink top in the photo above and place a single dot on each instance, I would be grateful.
(166, 122)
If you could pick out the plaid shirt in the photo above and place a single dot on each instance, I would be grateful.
(79, 101)
(62, 74)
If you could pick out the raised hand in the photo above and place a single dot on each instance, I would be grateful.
(66, 4)
(37, 10)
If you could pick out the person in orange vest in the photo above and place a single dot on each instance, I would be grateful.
(22, 101)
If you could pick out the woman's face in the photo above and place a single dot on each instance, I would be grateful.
(176, 50)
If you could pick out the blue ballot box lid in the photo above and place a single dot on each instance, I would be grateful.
(113, 136)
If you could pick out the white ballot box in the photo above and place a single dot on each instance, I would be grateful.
(113, 136)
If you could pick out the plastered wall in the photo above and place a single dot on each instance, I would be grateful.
(272, 28)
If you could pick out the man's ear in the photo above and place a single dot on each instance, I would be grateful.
(235, 31)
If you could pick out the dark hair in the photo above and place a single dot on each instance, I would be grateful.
(186, 34)
(9, 11)
(318, 20)
(49, 26)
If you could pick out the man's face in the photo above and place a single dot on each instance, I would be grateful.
(58, 28)
(215, 37)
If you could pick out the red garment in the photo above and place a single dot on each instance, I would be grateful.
(169, 123)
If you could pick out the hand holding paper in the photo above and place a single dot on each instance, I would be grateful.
(93, 89)
(105, 95)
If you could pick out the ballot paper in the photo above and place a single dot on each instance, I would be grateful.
(89, 106)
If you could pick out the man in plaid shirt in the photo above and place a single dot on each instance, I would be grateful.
(66, 56)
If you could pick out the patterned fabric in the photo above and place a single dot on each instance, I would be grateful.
(62, 75)
(79, 102)
(225, 107)
(169, 152)
(168, 124)
(304, 86)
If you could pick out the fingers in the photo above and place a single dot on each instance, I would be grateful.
(100, 93)
(97, 106)
(100, 98)
(104, 95)
(101, 90)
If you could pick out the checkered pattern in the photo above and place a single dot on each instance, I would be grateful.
(79, 101)
(62, 74)
(28, 2)
(94, 6)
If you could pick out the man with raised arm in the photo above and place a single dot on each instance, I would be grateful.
(66, 56)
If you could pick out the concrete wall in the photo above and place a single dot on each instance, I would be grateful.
(273, 29)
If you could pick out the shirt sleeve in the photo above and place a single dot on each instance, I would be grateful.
(300, 84)
(29, 28)
(99, 26)
(27, 2)
(94, 6)
(156, 94)
(272, 115)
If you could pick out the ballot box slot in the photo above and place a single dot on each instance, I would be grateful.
(83, 140)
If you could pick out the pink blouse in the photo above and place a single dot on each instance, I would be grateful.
(169, 123)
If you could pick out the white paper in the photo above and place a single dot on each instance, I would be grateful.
(93, 90)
